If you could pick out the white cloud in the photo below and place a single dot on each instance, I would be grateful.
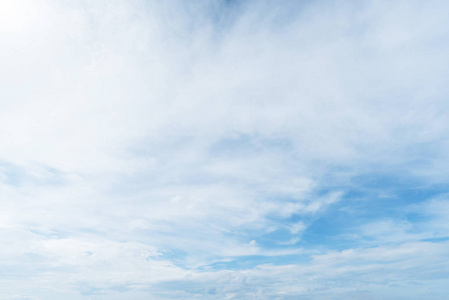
(198, 129)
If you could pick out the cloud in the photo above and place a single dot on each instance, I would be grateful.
(223, 148)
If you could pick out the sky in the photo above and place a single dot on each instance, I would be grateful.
(213, 149)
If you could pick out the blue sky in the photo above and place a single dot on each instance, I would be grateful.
(224, 149)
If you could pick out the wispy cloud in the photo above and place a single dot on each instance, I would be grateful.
(223, 149)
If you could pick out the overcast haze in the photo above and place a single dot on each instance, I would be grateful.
(219, 149)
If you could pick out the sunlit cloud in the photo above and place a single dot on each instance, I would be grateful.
(223, 149)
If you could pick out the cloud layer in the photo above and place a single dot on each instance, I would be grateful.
(223, 149)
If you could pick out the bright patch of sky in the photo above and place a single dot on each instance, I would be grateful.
(220, 149)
